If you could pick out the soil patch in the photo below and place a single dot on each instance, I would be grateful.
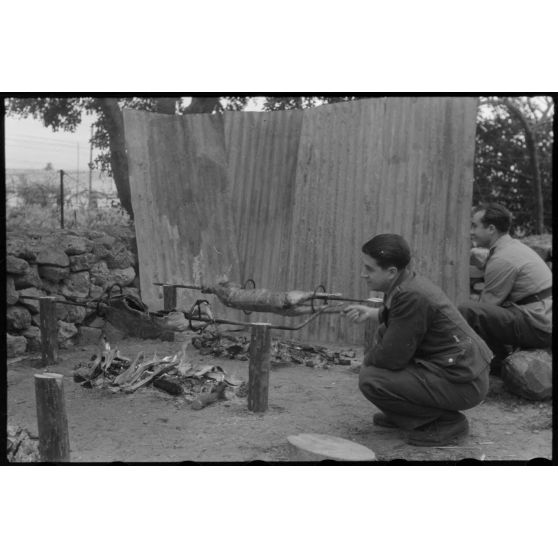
(150, 425)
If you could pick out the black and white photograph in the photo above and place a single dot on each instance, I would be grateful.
(278, 279)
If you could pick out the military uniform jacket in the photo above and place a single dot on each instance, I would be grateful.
(420, 326)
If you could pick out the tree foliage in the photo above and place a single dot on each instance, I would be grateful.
(507, 167)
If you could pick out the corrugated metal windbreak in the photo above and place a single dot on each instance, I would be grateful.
(262, 150)
(184, 227)
(307, 188)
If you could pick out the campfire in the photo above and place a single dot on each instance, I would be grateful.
(202, 384)
(174, 374)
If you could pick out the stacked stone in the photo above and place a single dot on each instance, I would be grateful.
(78, 266)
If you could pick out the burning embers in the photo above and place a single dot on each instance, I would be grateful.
(284, 352)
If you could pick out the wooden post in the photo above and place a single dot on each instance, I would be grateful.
(54, 441)
(62, 199)
(49, 329)
(169, 303)
(258, 369)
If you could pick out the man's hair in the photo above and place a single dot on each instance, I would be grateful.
(388, 250)
(497, 215)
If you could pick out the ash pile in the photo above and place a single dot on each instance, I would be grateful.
(174, 374)
(284, 352)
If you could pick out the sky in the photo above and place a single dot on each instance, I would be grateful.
(30, 145)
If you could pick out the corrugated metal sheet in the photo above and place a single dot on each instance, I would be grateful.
(182, 203)
(304, 189)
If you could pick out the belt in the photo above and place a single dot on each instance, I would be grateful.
(545, 293)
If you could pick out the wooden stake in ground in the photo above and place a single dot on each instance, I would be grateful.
(49, 329)
(258, 369)
(54, 441)
(169, 304)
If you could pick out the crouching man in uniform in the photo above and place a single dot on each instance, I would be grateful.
(515, 307)
(426, 363)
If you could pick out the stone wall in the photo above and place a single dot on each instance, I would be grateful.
(74, 265)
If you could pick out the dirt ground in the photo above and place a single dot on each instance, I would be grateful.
(152, 426)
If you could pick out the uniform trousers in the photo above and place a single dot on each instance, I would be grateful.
(500, 326)
(415, 396)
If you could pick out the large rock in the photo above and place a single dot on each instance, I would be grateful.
(82, 262)
(17, 318)
(54, 273)
(73, 245)
(76, 286)
(53, 256)
(31, 305)
(65, 333)
(33, 336)
(76, 314)
(50, 287)
(104, 277)
(12, 295)
(528, 373)
(20, 248)
(99, 273)
(29, 279)
(123, 277)
(16, 345)
(100, 251)
(120, 257)
(15, 265)
(95, 292)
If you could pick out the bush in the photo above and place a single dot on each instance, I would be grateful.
(36, 217)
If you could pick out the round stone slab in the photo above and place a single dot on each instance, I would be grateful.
(316, 447)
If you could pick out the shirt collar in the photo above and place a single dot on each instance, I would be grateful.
(405, 274)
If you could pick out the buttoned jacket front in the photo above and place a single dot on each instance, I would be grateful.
(422, 327)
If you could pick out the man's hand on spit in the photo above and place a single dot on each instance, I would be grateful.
(357, 313)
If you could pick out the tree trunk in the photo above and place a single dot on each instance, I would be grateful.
(531, 142)
(118, 158)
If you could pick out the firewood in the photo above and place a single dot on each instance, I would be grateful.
(204, 400)
(148, 378)
(122, 378)
(168, 386)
